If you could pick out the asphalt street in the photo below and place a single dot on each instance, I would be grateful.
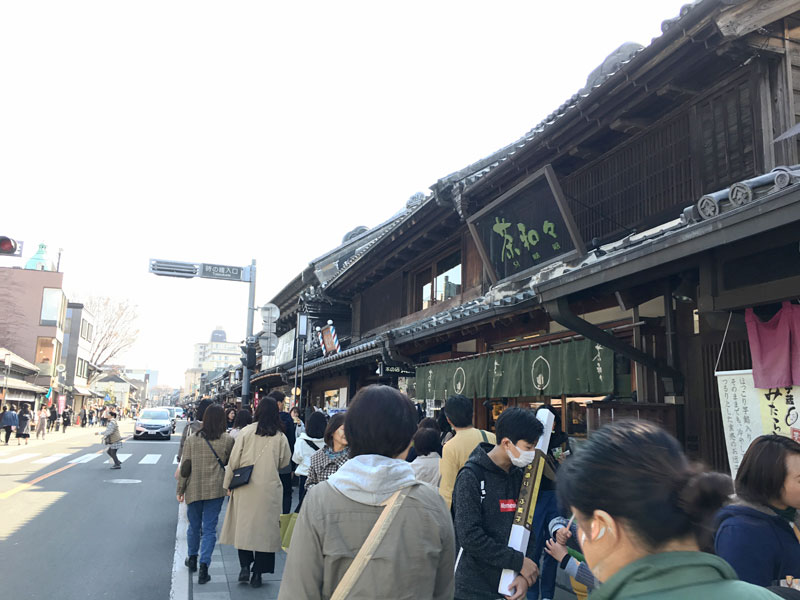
(73, 528)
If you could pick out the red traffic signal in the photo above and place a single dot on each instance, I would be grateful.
(7, 245)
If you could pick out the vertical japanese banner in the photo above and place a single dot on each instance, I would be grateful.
(748, 412)
(62, 402)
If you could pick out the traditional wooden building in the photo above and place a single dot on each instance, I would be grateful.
(597, 262)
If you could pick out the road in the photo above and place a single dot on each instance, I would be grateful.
(73, 528)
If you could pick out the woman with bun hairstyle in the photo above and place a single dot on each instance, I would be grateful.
(643, 513)
(758, 533)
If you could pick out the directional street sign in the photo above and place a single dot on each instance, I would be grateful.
(222, 272)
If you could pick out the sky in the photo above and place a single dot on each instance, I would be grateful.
(228, 131)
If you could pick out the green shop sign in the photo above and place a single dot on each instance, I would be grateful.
(573, 368)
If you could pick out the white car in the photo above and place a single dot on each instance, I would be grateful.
(153, 423)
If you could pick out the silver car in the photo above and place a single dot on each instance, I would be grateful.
(153, 423)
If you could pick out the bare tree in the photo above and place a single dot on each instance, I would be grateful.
(115, 328)
(12, 314)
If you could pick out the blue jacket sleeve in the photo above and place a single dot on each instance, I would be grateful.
(744, 547)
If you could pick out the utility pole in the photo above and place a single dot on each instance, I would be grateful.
(249, 334)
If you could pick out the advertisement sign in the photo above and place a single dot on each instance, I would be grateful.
(748, 412)
(62, 402)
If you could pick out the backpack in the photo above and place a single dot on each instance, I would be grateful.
(312, 444)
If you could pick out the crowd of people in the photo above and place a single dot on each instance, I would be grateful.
(397, 507)
(20, 421)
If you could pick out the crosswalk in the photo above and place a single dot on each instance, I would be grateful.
(39, 459)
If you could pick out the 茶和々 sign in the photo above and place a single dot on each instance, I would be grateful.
(526, 227)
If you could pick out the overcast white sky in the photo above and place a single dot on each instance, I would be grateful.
(226, 131)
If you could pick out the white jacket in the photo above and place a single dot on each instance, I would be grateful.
(426, 469)
(303, 451)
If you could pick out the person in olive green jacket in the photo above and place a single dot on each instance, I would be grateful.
(643, 515)
(415, 559)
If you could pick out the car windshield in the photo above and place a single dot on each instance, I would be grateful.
(155, 414)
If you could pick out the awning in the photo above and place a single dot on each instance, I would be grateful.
(18, 384)
(578, 367)
(82, 391)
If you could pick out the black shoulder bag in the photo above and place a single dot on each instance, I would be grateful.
(221, 466)
(241, 476)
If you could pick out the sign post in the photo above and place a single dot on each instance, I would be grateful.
(187, 270)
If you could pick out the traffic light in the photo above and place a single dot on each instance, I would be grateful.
(8, 245)
(249, 358)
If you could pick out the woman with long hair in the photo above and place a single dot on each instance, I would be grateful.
(243, 418)
(644, 514)
(252, 521)
(416, 555)
(24, 424)
(327, 460)
(202, 472)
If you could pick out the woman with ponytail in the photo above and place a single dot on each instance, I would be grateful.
(643, 515)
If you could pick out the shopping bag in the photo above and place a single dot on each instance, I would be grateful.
(287, 529)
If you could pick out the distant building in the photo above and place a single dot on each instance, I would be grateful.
(119, 390)
(193, 378)
(216, 354)
(32, 318)
(76, 355)
(14, 370)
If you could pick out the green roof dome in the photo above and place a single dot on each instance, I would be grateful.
(40, 261)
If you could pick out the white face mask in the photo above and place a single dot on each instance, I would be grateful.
(524, 459)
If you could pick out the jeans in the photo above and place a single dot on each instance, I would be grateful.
(203, 514)
(546, 510)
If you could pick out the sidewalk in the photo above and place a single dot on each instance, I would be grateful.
(224, 571)
(73, 433)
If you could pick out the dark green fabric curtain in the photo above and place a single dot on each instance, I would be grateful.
(574, 368)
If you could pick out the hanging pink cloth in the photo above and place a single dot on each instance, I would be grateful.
(775, 347)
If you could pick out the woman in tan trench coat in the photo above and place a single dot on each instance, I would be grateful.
(252, 521)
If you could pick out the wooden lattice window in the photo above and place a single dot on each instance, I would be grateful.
(727, 137)
(645, 178)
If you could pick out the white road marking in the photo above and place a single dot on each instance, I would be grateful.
(122, 458)
(18, 458)
(181, 576)
(48, 460)
(175, 460)
(150, 459)
(84, 459)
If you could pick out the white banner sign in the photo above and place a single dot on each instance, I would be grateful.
(748, 412)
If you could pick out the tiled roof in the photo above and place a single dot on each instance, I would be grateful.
(614, 64)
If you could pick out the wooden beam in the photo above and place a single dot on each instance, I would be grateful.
(630, 125)
(753, 15)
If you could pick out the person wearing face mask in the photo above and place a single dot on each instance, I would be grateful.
(643, 515)
(485, 501)
(758, 533)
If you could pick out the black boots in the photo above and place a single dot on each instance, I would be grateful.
(203, 576)
(255, 580)
(244, 574)
(191, 562)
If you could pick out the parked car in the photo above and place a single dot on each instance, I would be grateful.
(179, 414)
(154, 423)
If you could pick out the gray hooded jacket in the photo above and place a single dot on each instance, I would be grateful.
(415, 560)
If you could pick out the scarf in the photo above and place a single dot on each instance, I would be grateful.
(336, 455)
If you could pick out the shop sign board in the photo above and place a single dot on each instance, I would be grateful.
(749, 412)
(526, 227)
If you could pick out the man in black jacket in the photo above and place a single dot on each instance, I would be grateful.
(288, 425)
(484, 503)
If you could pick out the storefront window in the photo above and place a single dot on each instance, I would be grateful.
(335, 399)
(45, 350)
(52, 303)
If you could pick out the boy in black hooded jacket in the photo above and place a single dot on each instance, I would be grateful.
(484, 503)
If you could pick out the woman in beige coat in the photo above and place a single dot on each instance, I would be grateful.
(252, 521)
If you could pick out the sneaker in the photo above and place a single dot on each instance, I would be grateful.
(117, 467)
